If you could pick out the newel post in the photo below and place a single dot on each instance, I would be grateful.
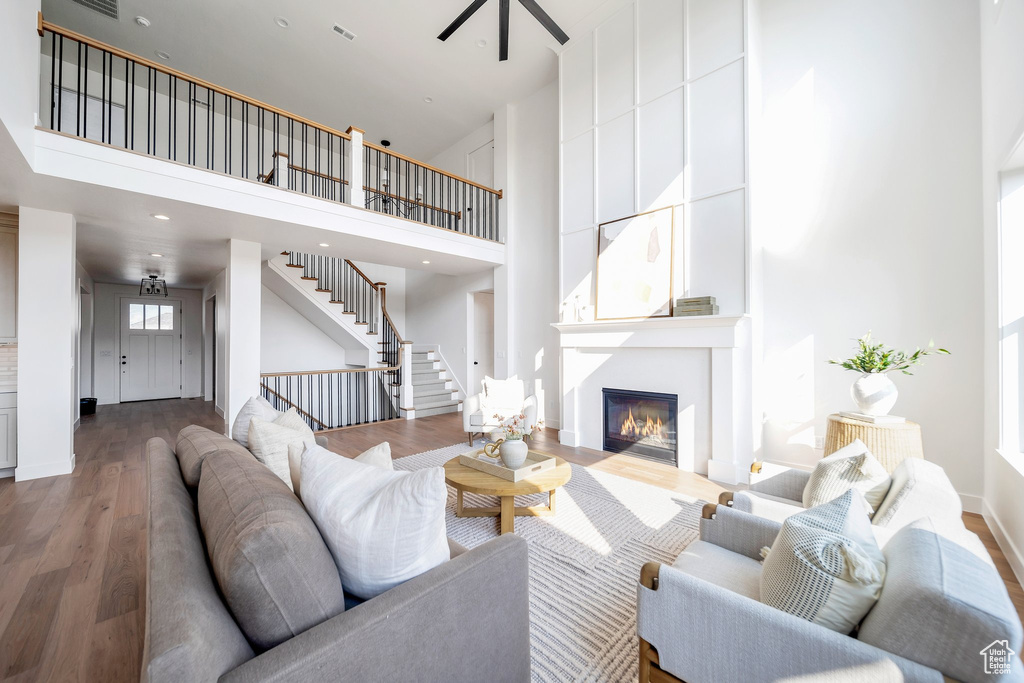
(354, 168)
(406, 397)
(281, 176)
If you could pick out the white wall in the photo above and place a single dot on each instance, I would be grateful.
(19, 53)
(47, 325)
(107, 299)
(85, 335)
(290, 343)
(533, 176)
(455, 159)
(1002, 70)
(652, 116)
(867, 206)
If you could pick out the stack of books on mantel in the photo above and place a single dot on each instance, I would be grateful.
(696, 305)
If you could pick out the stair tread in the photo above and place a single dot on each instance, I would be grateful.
(435, 404)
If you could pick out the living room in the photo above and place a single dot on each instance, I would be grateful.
(356, 292)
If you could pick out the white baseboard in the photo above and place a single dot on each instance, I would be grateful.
(1006, 544)
(217, 409)
(972, 503)
(51, 469)
(6, 473)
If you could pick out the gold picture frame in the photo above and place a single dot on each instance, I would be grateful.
(634, 276)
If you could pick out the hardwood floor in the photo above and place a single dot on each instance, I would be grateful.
(73, 548)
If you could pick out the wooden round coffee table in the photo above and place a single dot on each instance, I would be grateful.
(468, 480)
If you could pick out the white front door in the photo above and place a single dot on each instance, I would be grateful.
(150, 359)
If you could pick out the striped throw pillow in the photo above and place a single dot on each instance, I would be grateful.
(825, 565)
(851, 467)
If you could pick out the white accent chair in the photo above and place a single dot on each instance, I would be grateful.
(503, 397)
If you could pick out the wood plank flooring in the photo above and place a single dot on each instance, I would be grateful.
(73, 548)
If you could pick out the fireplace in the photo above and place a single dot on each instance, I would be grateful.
(641, 423)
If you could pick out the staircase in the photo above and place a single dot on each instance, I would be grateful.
(432, 390)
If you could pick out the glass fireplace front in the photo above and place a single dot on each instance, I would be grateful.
(641, 423)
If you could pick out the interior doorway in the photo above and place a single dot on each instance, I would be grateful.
(210, 349)
(85, 380)
(481, 330)
(150, 352)
(481, 165)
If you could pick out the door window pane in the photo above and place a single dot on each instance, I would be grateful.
(152, 317)
(167, 317)
(135, 316)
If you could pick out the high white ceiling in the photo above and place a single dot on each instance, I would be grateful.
(377, 83)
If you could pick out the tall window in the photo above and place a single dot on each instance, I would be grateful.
(1011, 311)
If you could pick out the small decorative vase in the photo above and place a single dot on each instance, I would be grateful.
(874, 393)
(513, 453)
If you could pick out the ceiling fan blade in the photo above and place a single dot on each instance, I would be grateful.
(461, 19)
(547, 22)
(503, 30)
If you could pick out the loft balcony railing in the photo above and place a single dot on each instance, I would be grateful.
(100, 93)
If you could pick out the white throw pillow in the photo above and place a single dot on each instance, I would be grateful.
(502, 396)
(269, 442)
(378, 456)
(825, 565)
(851, 467)
(257, 406)
(382, 527)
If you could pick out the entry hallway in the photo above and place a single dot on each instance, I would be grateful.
(73, 548)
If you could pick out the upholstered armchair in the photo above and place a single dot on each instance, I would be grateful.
(503, 397)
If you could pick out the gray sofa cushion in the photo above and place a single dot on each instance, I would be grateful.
(194, 444)
(738, 573)
(276, 575)
(190, 636)
(940, 605)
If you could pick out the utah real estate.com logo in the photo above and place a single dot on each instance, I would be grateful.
(998, 657)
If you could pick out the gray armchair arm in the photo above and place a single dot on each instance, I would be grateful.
(465, 620)
(765, 505)
(781, 481)
(737, 531)
(704, 633)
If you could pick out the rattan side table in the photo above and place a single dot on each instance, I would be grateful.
(890, 443)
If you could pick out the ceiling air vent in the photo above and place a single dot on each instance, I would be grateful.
(343, 32)
(107, 8)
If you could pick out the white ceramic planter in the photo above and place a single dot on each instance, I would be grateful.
(513, 453)
(874, 393)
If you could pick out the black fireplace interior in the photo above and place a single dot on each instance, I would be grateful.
(641, 423)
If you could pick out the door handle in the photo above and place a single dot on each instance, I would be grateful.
(124, 362)
(476, 362)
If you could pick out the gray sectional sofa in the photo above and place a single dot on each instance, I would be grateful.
(217, 517)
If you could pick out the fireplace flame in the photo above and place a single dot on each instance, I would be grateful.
(646, 428)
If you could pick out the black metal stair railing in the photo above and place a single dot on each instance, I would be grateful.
(101, 93)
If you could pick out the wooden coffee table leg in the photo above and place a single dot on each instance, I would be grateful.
(458, 502)
(508, 514)
(551, 500)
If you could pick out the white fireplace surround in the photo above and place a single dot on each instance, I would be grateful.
(726, 343)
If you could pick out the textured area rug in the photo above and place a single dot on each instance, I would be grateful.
(584, 564)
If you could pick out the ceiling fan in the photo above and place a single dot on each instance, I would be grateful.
(504, 6)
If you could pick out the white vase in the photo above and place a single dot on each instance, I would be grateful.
(874, 393)
(513, 453)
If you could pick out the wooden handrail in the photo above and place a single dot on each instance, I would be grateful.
(435, 169)
(415, 202)
(333, 372)
(67, 33)
(361, 274)
(43, 25)
(297, 409)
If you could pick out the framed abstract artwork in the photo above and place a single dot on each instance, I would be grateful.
(634, 266)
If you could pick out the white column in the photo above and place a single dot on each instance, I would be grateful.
(354, 168)
(731, 451)
(504, 292)
(406, 402)
(47, 320)
(242, 284)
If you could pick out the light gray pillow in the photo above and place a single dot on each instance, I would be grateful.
(825, 565)
(269, 442)
(257, 406)
(194, 444)
(851, 467)
(274, 571)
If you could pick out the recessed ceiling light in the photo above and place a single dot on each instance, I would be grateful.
(157, 255)
(161, 217)
(481, 43)
(162, 55)
(142, 21)
(324, 244)
(426, 263)
(428, 100)
(281, 21)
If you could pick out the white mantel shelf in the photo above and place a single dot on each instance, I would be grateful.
(705, 331)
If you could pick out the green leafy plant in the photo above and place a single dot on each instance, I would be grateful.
(877, 358)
